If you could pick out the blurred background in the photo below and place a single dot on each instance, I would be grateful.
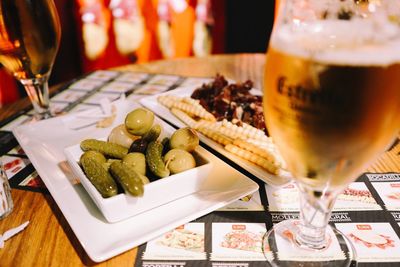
(100, 34)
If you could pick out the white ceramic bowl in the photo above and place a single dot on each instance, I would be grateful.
(156, 193)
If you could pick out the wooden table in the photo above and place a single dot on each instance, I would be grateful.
(49, 240)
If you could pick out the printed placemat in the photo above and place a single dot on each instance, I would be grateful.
(232, 236)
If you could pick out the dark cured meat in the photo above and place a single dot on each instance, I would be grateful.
(233, 102)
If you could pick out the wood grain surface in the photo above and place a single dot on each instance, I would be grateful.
(49, 240)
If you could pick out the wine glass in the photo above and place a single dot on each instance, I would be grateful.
(29, 39)
(332, 105)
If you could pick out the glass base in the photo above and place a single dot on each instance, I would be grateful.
(48, 114)
(38, 92)
(43, 116)
(35, 117)
(282, 248)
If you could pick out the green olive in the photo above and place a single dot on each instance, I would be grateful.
(139, 121)
(119, 135)
(184, 138)
(179, 160)
(137, 161)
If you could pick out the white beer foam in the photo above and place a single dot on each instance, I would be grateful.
(341, 42)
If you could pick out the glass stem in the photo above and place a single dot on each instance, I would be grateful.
(38, 92)
(315, 212)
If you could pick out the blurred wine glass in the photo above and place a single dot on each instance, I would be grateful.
(332, 105)
(29, 39)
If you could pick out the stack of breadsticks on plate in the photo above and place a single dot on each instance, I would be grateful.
(244, 141)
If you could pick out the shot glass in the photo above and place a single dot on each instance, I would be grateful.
(6, 203)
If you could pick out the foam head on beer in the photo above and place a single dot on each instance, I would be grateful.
(350, 39)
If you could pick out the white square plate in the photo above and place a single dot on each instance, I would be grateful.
(44, 143)
(156, 193)
(163, 112)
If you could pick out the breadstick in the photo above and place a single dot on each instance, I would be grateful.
(197, 110)
(260, 161)
(216, 136)
(269, 147)
(228, 132)
(191, 101)
(262, 143)
(264, 152)
(168, 100)
(207, 124)
(184, 117)
(245, 131)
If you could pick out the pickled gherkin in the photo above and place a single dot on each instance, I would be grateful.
(98, 176)
(153, 133)
(94, 155)
(144, 178)
(154, 159)
(108, 163)
(137, 161)
(128, 178)
(106, 148)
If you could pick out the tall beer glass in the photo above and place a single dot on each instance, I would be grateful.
(29, 40)
(332, 105)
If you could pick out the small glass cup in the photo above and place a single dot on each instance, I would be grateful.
(6, 203)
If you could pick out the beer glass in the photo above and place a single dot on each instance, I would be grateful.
(332, 105)
(29, 39)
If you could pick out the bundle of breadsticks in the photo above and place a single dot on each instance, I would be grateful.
(244, 141)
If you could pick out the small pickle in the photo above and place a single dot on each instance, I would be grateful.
(154, 159)
(107, 164)
(153, 133)
(128, 178)
(107, 149)
(137, 161)
(99, 176)
(144, 178)
(94, 155)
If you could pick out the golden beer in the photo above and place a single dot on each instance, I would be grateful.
(29, 37)
(329, 115)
